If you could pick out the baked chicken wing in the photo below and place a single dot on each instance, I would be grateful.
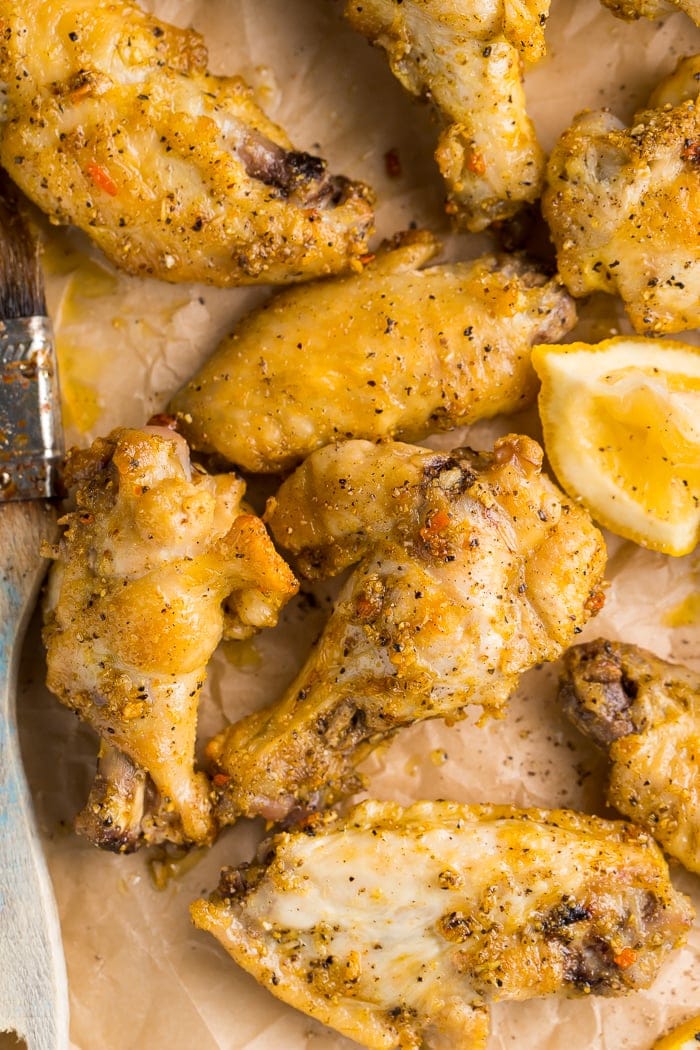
(623, 205)
(467, 59)
(473, 567)
(112, 123)
(157, 562)
(645, 713)
(396, 351)
(632, 9)
(398, 926)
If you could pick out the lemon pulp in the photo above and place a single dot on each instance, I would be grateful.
(621, 422)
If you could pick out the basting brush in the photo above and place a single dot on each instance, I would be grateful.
(33, 988)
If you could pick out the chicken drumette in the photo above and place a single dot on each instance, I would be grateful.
(623, 205)
(632, 9)
(396, 351)
(467, 59)
(158, 560)
(399, 927)
(112, 123)
(645, 713)
(473, 568)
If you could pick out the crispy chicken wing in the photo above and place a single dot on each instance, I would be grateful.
(632, 9)
(399, 926)
(156, 563)
(112, 123)
(396, 351)
(473, 568)
(467, 59)
(623, 206)
(645, 713)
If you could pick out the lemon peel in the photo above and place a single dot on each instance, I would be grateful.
(621, 425)
(687, 1037)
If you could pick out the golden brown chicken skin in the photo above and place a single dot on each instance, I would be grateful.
(398, 927)
(645, 712)
(157, 562)
(396, 351)
(467, 60)
(472, 568)
(633, 9)
(623, 206)
(113, 124)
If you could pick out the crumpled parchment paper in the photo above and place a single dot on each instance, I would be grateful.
(141, 977)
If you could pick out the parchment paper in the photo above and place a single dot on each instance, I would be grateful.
(141, 977)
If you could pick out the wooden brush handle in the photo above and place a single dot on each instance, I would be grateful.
(33, 986)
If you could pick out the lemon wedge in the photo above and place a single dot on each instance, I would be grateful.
(621, 423)
(687, 1037)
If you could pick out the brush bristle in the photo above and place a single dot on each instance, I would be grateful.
(21, 278)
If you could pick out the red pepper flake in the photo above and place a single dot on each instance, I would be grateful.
(476, 163)
(433, 536)
(221, 779)
(102, 179)
(436, 522)
(392, 163)
(309, 822)
(691, 151)
(595, 602)
(626, 958)
(368, 258)
(163, 419)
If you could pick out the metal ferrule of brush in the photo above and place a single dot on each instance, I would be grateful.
(31, 445)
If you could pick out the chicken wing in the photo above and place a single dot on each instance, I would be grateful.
(633, 9)
(645, 713)
(623, 206)
(473, 568)
(112, 123)
(398, 926)
(157, 562)
(467, 59)
(394, 351)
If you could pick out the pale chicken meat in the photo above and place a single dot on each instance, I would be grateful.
(623, 206)
(467, 59)
(157, 562)
(473, 567)
(111, 122)
(396, 351)
(398, 927)
(645, 713)
(632, 9)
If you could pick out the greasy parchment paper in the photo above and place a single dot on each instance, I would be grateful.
(141, 977)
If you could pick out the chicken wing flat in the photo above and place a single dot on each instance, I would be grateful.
(467, 59)
(473, 568)
(645, 713)
(112, 123)
(398, 926)
(633, 9)
(396, 351)
(156, 563)
(623, 205)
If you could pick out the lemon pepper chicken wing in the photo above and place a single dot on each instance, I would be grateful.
(113, 124)
(467, 59)
(623, 206)
(632, 9)
(156, 563)
(645, 712)
(399, 927)
(473, 568)
(396, 351)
